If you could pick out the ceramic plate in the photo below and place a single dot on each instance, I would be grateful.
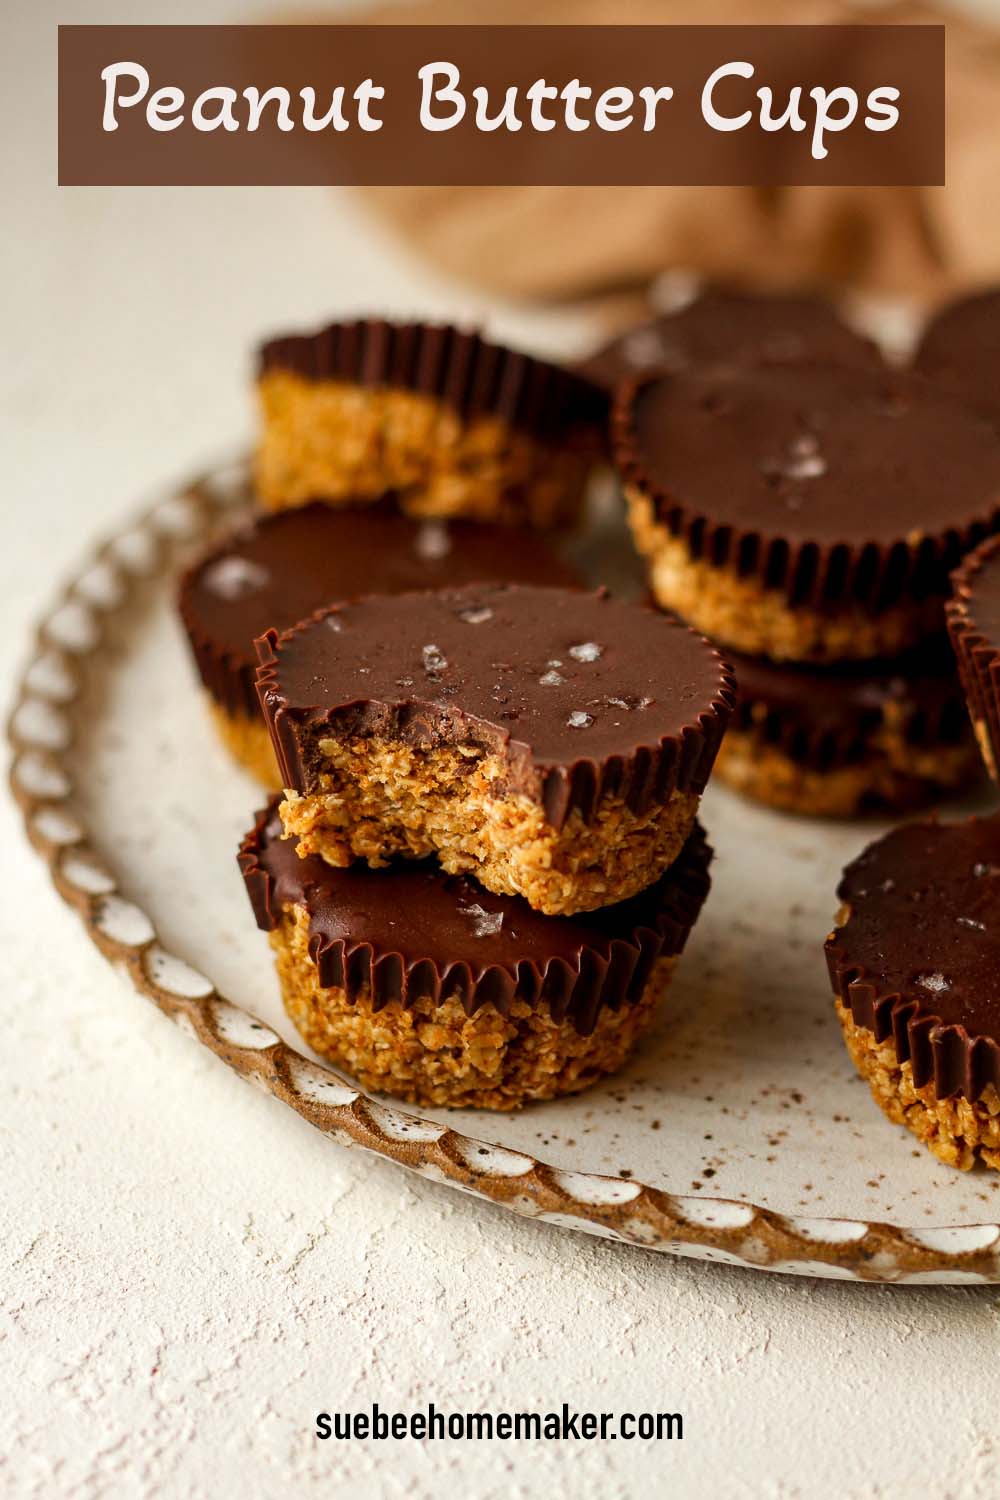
(740, 1133)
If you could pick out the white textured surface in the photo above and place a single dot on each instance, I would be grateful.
(188, 1272)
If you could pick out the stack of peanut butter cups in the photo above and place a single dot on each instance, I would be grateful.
(804, 508)
(485, 859)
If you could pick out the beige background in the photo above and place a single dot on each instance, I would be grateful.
(188, 1272)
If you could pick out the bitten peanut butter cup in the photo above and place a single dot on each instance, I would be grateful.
(724, 324)
(915, 965)
(425, 986)
(960, 350)
(552, 743)
(283, 567)
(805, 511)
(452, 424)
(974, 625)
(852, 737)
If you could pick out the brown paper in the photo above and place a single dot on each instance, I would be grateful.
(574, 243)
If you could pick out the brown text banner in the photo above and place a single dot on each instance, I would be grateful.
(501, 105)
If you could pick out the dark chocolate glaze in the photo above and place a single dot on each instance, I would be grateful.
(724, 324)
(285, 566)
(960, 350)
(410, 931)
(919, 956)
(827, 482)
(974, 625)
(499, 666)
(828, 717)
(461, 369)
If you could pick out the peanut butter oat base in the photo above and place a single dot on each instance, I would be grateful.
(740, 613)
(957, 1131)
(894, 777)
(972, 625)
(379, 798)
(436, 1054)
(338, 442)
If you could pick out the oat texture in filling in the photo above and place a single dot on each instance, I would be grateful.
(451, 423)
(344, 443)
(553, 743)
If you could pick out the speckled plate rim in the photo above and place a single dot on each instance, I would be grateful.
(41, 732)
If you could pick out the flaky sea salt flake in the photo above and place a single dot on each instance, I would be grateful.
(235, 577)
(434, 659)
(586, 651)
(936, 983)
(484, 923)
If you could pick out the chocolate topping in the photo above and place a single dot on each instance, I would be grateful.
(826, 482)
(974, 625)
(410, 931)
(286, 566)
(725, 324)
(919, 956)
(459, 368)
(828, 717)
(960, 350)
(584, 695)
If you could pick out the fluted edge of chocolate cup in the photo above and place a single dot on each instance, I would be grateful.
(939, 1053)
(458, 367)
(576, 989)
(978, 656)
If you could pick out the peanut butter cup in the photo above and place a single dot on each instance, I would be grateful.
(974, 624)
(423, 985)
(725, 324)
(805, 511)
(852, 737)
(960, 350)
(283, 567)
(451, 423)
(553, 743)
(915, 965)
